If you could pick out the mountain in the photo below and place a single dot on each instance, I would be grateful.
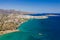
(2, 11)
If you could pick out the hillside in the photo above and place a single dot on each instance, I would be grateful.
(10, 20)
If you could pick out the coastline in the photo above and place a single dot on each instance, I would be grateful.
(7, 31)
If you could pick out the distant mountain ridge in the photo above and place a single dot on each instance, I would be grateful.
(2, 11)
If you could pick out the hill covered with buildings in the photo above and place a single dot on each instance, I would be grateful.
(10, 20)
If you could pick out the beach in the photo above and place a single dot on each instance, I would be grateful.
(7, 31)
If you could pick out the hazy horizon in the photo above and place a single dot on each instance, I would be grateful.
(37, 6)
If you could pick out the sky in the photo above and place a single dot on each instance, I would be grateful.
(38, 6)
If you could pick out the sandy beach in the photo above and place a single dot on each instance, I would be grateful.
(7, 31)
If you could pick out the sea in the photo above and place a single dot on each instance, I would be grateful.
(37, 29)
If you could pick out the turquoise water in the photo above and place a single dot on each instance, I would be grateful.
(49, 28)
(16, 36)
(37, 29)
